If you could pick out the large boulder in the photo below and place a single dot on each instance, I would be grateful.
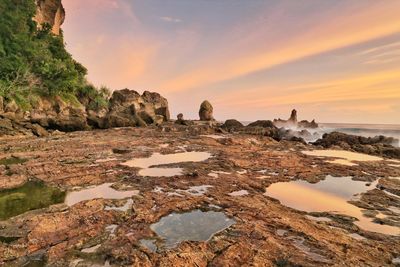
(206, 111)
(232, 124)
(159, 103)
(129, 108)
(57, 114)
(262, 123)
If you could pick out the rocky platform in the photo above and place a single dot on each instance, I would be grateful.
(265, 233)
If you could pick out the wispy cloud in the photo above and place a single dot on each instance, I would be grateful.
(382, 54)
(171, 19)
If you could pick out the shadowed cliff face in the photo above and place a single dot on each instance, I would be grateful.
(51, 12)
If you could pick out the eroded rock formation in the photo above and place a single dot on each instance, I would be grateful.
(129, 108)
(50, 12)
(293, 122)
(206, 111)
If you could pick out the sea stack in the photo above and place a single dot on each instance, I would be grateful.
(293, 117)
(206, 111)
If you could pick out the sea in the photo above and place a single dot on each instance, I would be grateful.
(366, 130)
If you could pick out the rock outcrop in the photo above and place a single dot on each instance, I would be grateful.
(206, 111)
(126, 108)
(308, 124)
(293, 122)
(262, 123)
(232, 124)
(378, 145)
(50, 12)
(262, 127)
(57, 114)
(181, 121)
(293, 117)
(129, 108)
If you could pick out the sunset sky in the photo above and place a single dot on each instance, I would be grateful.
(335, 61)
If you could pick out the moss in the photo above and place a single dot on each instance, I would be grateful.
(30, 196)
(12, 161)
(8, 239)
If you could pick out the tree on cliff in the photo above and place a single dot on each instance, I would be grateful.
(34, 62)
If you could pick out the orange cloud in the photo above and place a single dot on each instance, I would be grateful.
(335, 32)
(379, 85)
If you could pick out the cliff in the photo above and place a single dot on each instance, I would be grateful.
(50, 12)
(43, 88)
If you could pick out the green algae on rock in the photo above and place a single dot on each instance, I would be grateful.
(30, 196)
(12, 160)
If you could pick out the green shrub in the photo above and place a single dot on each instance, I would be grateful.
(35, 62)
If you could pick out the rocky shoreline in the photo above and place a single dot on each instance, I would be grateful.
(122, 184)
(63, 235)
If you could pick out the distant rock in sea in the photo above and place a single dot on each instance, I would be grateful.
(378, 145)
(293, 122)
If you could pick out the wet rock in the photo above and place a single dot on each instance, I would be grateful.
(292, 135)
(307, 124)
(262, 123)
(378, 145)
(206, 111)
(263, 127)
(121, 150)
(232, 124)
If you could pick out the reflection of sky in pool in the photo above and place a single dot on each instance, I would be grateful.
(344, 157)
(159, 159)
(190, 226)
(329, 195)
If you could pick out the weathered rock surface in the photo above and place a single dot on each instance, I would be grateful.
(60, 233)
(378, 145)
(206, 111)
(129, 108)
(262, 123)
(50, 12)
(262, 127)
(232, 124)
(126, 108)
(181, 121)
(56, 114)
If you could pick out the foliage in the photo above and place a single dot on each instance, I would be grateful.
(34, 61)
(96, 99)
